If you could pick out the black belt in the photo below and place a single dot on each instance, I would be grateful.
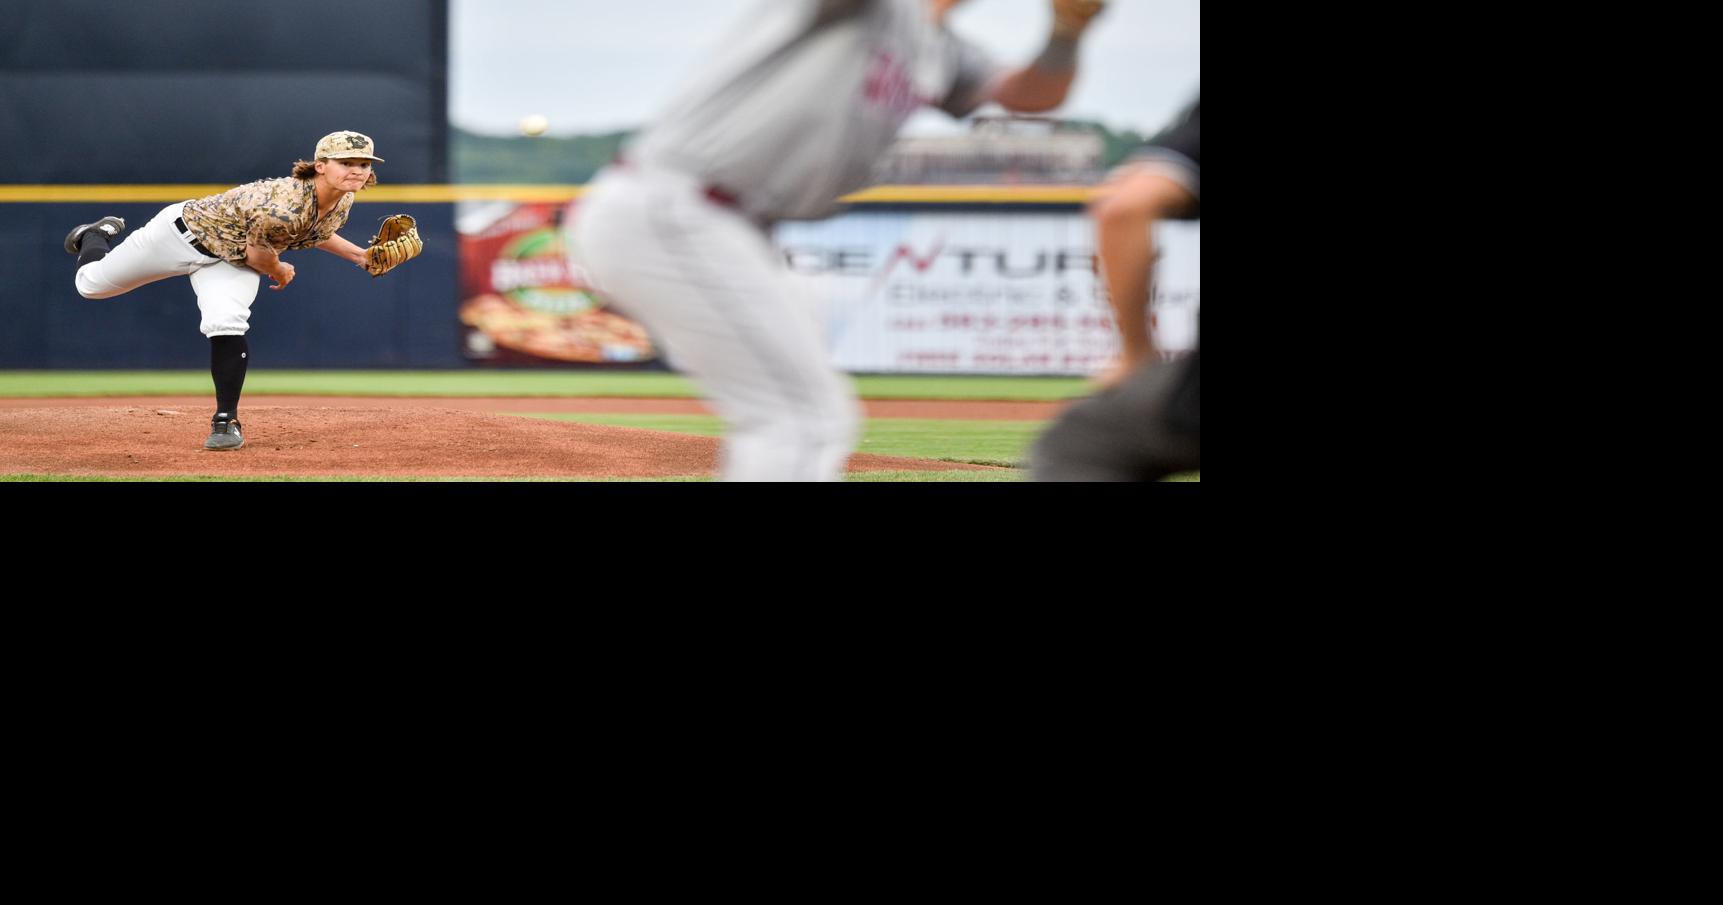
(195, 244)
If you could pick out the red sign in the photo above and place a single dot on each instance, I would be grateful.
(521, 300)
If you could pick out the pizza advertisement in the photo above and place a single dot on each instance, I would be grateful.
(523, 303)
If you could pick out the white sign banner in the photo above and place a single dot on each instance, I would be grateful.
(983, 293)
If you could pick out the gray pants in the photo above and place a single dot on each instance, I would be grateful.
(1125, 433)
(721, 303)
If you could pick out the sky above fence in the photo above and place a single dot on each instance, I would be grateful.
(602, 65)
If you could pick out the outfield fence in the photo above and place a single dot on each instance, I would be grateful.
(909, 279)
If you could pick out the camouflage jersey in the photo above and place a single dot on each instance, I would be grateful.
(280, 213)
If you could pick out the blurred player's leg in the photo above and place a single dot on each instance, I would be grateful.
(1143, 429)
(715, 294)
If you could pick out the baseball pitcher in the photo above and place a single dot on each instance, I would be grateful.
(226, 241)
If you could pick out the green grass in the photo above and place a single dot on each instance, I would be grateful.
(976, 442)
(500, 383)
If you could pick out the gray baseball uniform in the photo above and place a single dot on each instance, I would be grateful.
(791, 114)
(797, 108)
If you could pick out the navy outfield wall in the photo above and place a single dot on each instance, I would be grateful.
(102, 102)
(333, 315)
(217, 91)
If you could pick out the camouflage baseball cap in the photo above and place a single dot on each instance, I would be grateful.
(338, 145)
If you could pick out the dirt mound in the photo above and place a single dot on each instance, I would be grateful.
(323, 441)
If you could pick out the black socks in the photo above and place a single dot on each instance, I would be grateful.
(228, 357)
(92, 246)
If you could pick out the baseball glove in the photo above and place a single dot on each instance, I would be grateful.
(396, 242)
(1070, 17)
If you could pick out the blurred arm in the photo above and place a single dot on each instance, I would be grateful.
(1043, 84)
(1034, 89)
(1125, 209)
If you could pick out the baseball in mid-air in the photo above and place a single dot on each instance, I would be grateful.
(534, 124)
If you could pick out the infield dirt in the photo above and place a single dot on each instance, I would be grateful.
(368, 437)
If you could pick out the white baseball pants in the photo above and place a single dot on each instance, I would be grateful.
(159, 250)
(719, 300)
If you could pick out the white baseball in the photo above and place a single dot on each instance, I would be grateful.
(534, 124)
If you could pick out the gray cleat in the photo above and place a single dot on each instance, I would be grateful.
(111, 226)
(224, 435)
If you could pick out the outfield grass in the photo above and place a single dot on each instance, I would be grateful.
(978, 442)
(502, 383)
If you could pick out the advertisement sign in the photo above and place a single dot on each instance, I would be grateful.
(521, 300)
(983, 292)
(993, 293)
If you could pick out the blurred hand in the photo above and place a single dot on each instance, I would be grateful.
(1071, 17)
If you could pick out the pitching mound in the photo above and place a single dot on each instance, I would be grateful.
(319, 441)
